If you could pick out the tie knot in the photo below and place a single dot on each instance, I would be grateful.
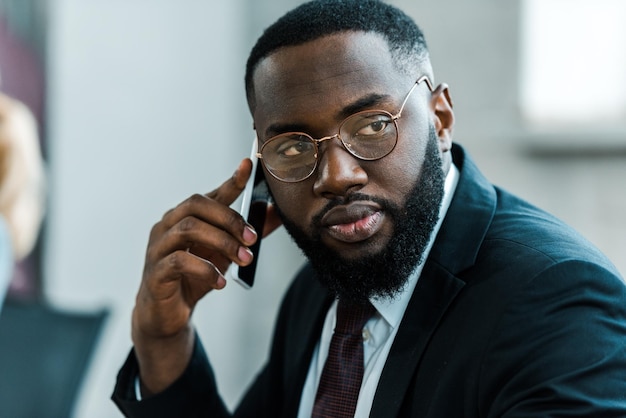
(352, 317)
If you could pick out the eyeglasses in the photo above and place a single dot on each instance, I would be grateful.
(367, 135)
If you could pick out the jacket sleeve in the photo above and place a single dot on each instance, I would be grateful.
(560, 347)
(276, 390)
(193, 395)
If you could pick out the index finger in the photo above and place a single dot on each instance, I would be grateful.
(228, 192)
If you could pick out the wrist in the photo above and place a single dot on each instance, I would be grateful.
(162, 360)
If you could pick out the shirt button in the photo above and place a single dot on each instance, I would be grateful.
(365, 334)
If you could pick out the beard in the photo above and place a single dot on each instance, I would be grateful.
(384, 274)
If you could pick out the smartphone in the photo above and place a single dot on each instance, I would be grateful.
(254, 204)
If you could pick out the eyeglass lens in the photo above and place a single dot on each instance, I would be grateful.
(367, 135)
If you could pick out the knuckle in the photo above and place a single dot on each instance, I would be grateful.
(176, 263)
(230, 246)
(196, 198)
(191, 202)
(234, 219)
(186, 225)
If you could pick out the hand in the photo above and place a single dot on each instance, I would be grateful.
(188, 252)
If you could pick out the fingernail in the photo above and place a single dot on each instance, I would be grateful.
(249, 235)
(220, 283)
(244, 254)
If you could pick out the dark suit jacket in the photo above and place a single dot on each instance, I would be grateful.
(514, 315)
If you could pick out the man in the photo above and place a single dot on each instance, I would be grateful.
(483, 305)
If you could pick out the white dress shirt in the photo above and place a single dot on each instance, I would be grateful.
(378, 333)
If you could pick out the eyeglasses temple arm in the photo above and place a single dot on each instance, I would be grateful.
(419, 80)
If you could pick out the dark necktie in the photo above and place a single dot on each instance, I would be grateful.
(342, 375)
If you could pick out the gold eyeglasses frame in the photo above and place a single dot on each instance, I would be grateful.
(317, 142)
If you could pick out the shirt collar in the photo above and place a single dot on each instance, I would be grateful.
(392, 309)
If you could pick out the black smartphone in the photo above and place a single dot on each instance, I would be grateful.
(253, 208)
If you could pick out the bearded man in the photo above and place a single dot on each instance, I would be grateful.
(428, 292)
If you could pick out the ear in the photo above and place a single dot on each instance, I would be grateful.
(441, 106)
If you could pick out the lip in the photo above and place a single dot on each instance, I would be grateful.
(354, 222)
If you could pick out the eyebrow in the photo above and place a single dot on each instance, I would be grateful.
(367, 102)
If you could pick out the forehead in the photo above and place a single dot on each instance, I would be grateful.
(324, 75)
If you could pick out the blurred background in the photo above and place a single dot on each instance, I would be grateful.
(140, 103)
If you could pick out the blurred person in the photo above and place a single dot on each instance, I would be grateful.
(21, 186)
(470, 301)
(6, 259)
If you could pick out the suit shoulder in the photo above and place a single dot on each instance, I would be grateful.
(529, 237)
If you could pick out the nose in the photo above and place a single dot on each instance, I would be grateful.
(338, 172)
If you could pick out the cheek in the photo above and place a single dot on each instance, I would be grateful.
(395, 183)
(399, 174)
(412, 143)
(293, 200)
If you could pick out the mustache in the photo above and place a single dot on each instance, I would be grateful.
(384, 204)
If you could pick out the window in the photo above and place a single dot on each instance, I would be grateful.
(573, 62)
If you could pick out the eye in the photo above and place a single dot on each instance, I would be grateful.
(294, 146)
(369, 125)
(373, 128)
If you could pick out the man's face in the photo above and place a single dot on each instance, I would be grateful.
(350, 210)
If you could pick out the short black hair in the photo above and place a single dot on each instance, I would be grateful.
(319, 18)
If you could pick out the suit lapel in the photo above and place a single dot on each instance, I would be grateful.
(433, 293)
(455, 249)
